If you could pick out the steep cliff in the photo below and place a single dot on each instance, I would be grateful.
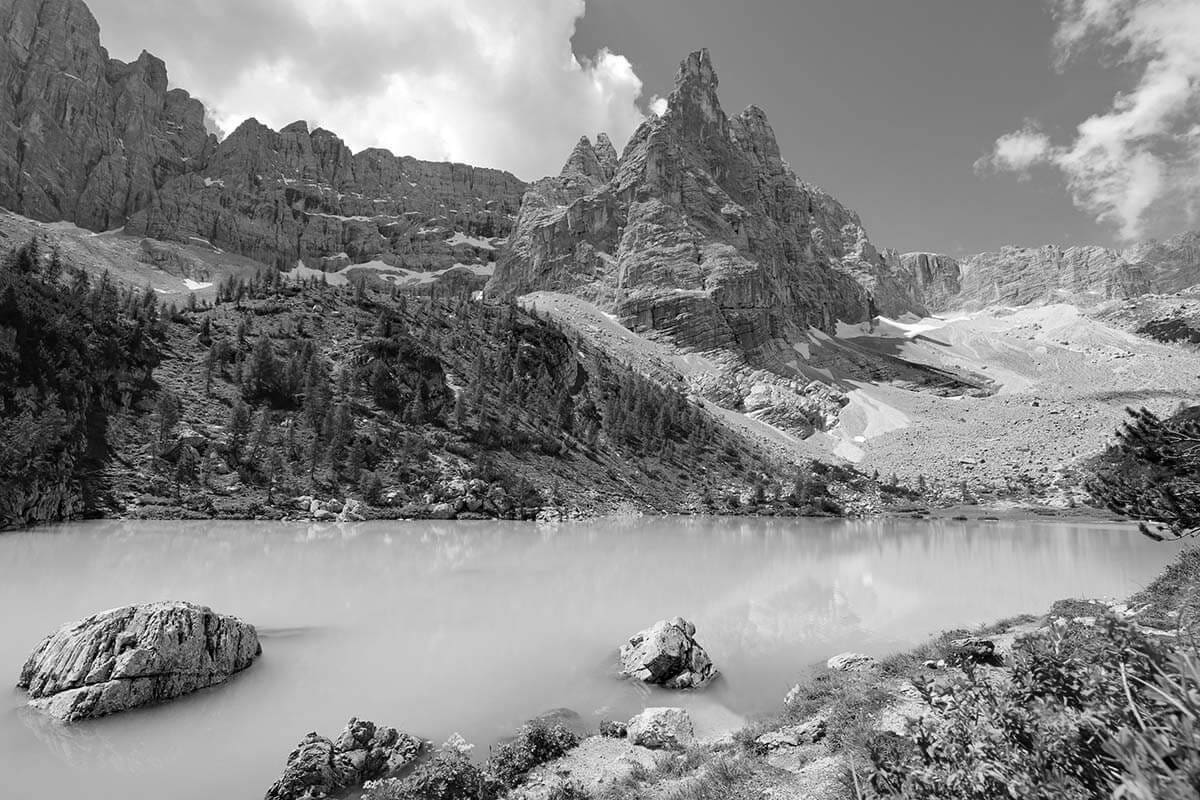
(299, 195)
(700, 232)
(1083, 275)
(100, 143)
(86, 138)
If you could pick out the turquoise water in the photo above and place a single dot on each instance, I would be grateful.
(444, 627)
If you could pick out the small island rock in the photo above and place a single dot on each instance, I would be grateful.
(135, 656)
(667, 654)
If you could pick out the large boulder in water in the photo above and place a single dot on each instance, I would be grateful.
(134, 656)
(320, 767)
(667, 654)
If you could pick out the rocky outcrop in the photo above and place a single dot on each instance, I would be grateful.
(135, 656)
(86, 138)
(320, 767)
(662, 729)
(298, 195)
(701, 233)
(667, 654)
(101, 143)
(1084, 275)
(851, 662)
(932, 279)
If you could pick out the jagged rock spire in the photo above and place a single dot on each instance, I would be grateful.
(598, 163)
(695, 92)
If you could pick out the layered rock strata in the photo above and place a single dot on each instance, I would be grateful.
(135, 656)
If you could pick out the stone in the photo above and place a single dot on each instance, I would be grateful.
(662, 729)
(808, 732)
(667, 654)
(134, 656)
(320, 767)
(974, 650)
(851, 662)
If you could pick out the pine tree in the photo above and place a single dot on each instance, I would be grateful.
(186, 466)
(168, 412)
(239, 429)
(1152, 474)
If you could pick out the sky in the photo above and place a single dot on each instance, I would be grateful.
(952, 126)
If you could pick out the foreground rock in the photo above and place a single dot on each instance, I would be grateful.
(320, 767)
(851, 662)
(662, 729)
(667, 654)
(135, 656)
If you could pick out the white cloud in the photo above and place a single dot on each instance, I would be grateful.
(1142, 155)
(494, 84)
(1018, 151)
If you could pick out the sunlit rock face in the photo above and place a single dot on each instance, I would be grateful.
(104, 144)
(135, 656)
(701, 232)
(86, 138)
(298, 195)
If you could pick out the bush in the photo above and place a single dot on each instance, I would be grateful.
(537, 743)
(1087, 712)
(449, 775)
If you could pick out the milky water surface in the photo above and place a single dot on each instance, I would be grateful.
(443, 627)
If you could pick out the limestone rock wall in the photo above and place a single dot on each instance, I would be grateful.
(86, 138)
(700, 232)
(298, 195)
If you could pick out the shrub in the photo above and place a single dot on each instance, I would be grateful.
(536, 743)
(1087, 712)
(449, 775)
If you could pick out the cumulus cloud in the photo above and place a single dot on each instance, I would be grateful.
(1018, 151)
(1142, 155)
(495, 83)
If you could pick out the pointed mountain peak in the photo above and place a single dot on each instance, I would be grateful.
(299, 126)
(695, 95)
(697, 69)
(584, 161)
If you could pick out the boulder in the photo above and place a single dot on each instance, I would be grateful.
(667, 654)
(320, 767)
(851, 662)
(973, 650)
(662, 729)
(809, 732)
(135, 656)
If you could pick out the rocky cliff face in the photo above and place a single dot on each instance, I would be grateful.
(698, 231)
(101, 143)
(86, 138)
(298, 195)
(1086, 275)
(933, 280)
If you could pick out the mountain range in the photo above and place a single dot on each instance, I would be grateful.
(696, 255)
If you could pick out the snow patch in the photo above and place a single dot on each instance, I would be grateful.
(195, 286)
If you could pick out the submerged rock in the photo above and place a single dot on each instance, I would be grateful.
(662, 729)
(134, 656)
(320, 767)
(667, 654)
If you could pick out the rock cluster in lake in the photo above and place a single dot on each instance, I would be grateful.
(321, 767)
(667, 654)
(135, 656)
